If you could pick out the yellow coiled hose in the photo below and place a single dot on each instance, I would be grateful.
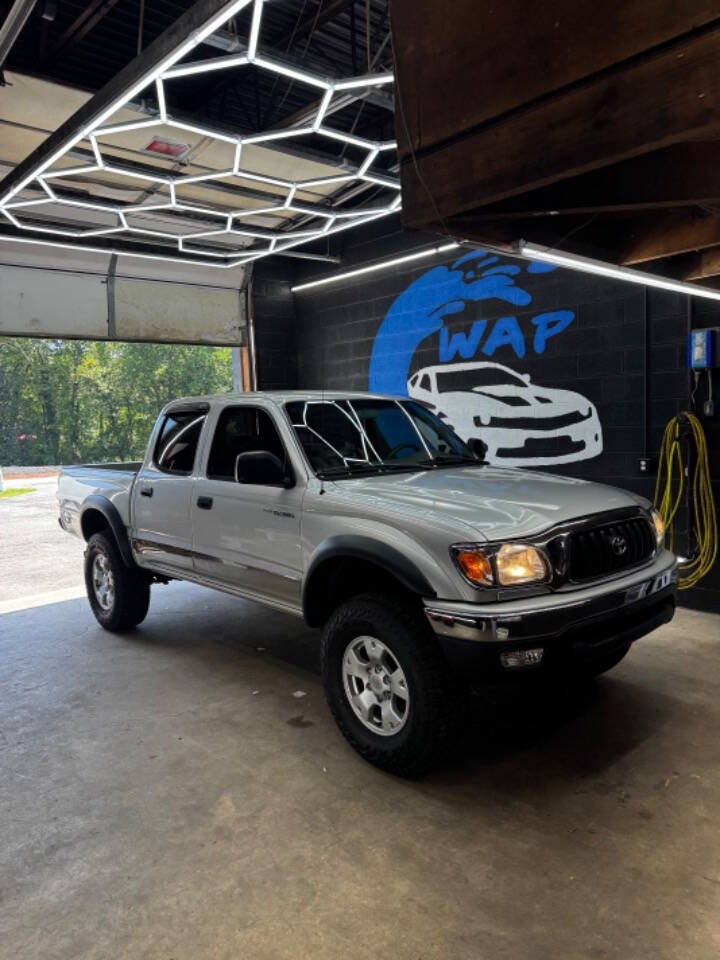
(669, 489)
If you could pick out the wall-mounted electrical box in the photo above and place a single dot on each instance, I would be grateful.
(701, 349)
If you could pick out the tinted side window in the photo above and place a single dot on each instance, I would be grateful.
(242, 430)
(178, 441)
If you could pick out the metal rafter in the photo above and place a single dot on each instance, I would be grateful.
(13, 24)
(81, 26)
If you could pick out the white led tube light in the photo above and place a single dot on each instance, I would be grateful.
(255, 29)
(369, 80)
(599, 268)
(286, 70)
(383, 265)
(171, 66)
(230, 11)
(205, 66)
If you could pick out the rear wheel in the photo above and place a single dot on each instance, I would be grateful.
(119, 596)
(388, 685)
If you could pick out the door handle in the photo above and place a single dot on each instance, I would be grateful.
(205, 503)
(146, 491)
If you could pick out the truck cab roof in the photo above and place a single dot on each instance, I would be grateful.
(280, 396)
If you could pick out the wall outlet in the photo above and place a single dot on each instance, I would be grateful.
(645, 465)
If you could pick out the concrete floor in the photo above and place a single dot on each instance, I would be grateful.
(36, 556)
(169, 795)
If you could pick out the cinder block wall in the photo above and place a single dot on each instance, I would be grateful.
(275, 324)
(617, 346)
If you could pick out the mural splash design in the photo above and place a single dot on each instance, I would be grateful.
(521, 424)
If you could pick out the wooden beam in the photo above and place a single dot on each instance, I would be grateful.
(712, 282)
(668, 236)
(686, 174)
(698, 265)
(655, 102)
(681, 268)
(464, 64)
(708, 265)
(591, 237)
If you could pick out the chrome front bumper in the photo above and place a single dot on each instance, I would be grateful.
(553, 615)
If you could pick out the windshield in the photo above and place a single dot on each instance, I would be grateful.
(478, 378)
(345, 437)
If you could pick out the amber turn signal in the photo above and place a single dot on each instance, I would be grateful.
(475, 565)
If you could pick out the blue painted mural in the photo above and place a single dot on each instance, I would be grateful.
(520, 423)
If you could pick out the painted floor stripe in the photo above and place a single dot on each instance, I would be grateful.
(41, 599)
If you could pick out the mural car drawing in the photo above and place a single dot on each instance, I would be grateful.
(520, 423)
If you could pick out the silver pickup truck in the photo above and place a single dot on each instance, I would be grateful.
(370, 518)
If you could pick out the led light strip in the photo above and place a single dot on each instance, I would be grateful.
(383, 265)
(169, 68)
(599, 268)
(109, 251)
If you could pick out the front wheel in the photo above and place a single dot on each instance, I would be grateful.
(119, 596)
(387, 684)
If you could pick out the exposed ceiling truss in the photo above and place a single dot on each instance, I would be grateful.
(13, 24)
(56, 194)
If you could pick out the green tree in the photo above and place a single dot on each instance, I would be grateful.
(64, 401)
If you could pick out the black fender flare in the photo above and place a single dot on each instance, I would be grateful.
(115, 522)
(373, 551)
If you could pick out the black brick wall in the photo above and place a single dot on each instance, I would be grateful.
(625, 350)
(275, 325)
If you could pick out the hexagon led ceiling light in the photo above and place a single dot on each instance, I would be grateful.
(230, 241)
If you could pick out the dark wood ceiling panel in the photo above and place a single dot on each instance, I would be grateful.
(595, 124)
(482, 60)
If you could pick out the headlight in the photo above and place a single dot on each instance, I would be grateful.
(518, 563)
(515, 564)
(658, 523)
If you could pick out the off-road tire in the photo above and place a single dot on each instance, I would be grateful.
(433, 703)
(131, 598)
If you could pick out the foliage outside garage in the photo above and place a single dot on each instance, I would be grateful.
(64, 401)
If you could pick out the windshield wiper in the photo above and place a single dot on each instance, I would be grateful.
(451, 461)
(354, 469)
(405, 465)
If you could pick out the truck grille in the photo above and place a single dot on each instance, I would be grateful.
(613, 546)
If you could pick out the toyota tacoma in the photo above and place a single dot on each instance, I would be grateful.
(368, 517)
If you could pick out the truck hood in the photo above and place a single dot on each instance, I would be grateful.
(496, 502)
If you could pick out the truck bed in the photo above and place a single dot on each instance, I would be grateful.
(113, 481)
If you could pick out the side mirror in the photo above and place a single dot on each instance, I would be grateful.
(263, 468)
(478, 447)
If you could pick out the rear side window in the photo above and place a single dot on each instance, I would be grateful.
(178, 442)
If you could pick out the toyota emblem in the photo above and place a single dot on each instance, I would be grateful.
(619, 546)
